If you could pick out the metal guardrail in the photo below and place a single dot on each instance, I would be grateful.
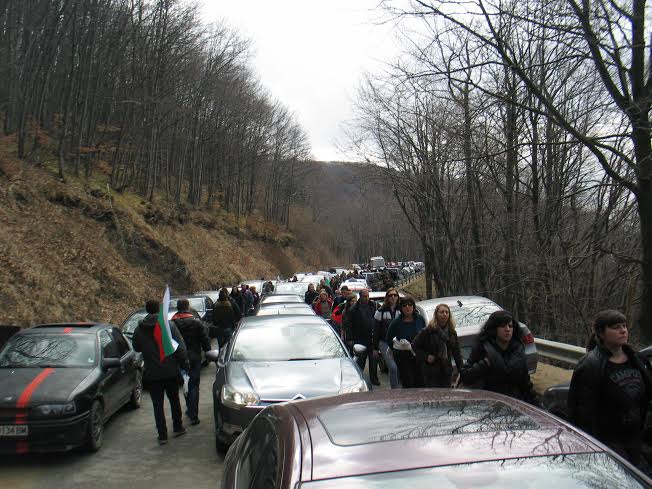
(559, 351)
(410, 278)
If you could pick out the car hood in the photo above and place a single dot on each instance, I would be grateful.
(283, 381)
(53, 388)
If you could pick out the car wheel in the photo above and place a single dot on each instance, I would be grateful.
(95, 427)
(137, 393)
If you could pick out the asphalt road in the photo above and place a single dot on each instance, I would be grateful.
(130, 456)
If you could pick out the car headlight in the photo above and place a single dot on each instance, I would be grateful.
(238, 399)
(54, 409)
(360, 386)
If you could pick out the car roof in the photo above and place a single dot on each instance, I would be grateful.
(363, 432)
(430, 304)
(280, 321)
(80, 327)
(281, 299)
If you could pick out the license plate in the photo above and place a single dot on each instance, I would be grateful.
(14, 430)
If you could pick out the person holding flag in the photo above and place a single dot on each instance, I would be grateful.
(164, 354)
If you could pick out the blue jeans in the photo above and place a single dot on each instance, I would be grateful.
(386, 352)
(192, 399)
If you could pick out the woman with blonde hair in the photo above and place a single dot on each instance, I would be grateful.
(436, 346)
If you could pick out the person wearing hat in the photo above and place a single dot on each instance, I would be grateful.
(400, 334)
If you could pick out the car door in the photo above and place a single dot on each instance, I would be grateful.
(112, 377)
(128, 365)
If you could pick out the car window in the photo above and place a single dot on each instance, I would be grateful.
(121, 342)
(287, 342)
(49, 350)
(130, 324)
(258, 467)
(108, 345)
(576, 471)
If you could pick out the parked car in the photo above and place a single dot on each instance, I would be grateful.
(470, 313)
(60, 383)
(313, 279)
(213, 295)
(292, 288)
(420, 439)
(279, 309)
(129, 325)
(200, 303)
(555, 397)
(356, 284)
(281, 299)
(274, 359)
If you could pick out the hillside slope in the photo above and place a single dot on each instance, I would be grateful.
(78, 251)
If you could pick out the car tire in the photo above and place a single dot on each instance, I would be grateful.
(137, 394)
(95, 427)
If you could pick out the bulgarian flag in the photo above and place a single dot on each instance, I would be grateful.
(162, 334)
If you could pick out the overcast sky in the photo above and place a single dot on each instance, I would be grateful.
(311, 55)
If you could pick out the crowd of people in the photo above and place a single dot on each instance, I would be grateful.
(609, 395)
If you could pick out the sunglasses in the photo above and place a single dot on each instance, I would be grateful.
(407, 305)
(392, 295)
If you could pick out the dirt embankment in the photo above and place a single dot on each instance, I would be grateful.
(78, 251)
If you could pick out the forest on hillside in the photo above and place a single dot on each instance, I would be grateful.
(517, 139)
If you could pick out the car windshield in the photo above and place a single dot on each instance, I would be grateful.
(287, 342)
(196, 303)
(296, 288)
(470, 314)
(49, 350)
(130, 324)
(576, 471)
(280, 310)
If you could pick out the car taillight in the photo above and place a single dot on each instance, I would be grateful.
(528, 339)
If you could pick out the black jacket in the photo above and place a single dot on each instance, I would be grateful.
(143, 341)
(310, 296)
(506, 371)
(359, 323)
(435, 342)
(225, 315)
(194, 335)
(588, 380)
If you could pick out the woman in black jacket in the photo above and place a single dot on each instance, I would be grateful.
(436, 346)
(497, 362)
(226, 314)
(310, 295)
(611, 388)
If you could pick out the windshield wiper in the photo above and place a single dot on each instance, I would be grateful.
(300, 359)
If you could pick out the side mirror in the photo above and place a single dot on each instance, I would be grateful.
(108, 363)
(359, 349)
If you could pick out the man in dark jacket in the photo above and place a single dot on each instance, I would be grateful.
(196, 338)
(359, 326)
(161, 376)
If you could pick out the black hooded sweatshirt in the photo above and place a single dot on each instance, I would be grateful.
(143, 341)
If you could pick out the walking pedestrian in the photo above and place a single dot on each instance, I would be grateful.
(400, 334)
(359, 324)
(226, 314)
(161, 373)
(323, 306)
(310, 295)
(611, 388)
(383, 318)
(196, 339)
(436, 346)
(497, 361)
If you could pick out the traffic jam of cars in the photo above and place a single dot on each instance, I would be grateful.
(292, 406)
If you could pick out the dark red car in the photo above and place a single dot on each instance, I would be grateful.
(420, 439)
